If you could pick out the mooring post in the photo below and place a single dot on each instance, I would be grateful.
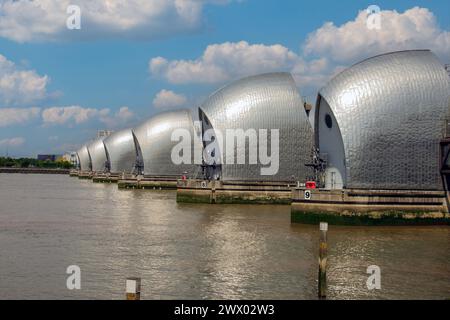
(133, 288)
(323, 260)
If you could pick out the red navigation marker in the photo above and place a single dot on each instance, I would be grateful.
(310, 185)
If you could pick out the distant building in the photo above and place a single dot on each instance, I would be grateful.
(71, 157)
(48, 157)
(104, 133)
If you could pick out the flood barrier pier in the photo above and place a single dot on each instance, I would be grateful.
(369, 207)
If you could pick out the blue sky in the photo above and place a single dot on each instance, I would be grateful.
(58, 86)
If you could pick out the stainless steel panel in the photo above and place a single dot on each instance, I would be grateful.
(154, 138)
(121, 151)
(267, 101)
(391, 110)
(98, 155)
(84, 158)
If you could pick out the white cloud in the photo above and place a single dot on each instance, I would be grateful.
(125, 114)
(77, 115)
(71, 115)
(20, 87)
(120, 118)
(17, 116)
(168, 99)
(158, 65)
(222, 62)
(326, 51)
(12, 142)
(45, 20)
(415, 28)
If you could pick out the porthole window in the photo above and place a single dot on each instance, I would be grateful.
(328, 121)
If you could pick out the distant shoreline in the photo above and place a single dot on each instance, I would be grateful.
(35, 170)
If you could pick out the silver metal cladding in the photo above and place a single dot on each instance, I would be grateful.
(98, 155)
(391, 112)
(85, 159)
(266, 101)
(154, 138)
(121, 151)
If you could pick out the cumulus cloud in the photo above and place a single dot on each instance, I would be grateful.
(20, 87)
(71, 115)
(415, 28)
(18, 116)
(45, 20)
(77, 115)
(122, 117)
(227, 61)
(222, 62)
(168, 99)
(12, 142)
(326, 51)
(125, 114)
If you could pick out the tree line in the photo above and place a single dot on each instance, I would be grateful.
(34, 163)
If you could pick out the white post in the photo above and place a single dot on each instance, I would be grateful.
(133, 288)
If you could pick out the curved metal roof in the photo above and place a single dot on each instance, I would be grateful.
(98, 155)
(84, 159)
(121, 151)
(390, 110)
(266, 101)
(154, 140)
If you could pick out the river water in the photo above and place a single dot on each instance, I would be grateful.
(192, 251)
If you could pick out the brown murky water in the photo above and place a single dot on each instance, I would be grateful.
(196, 251)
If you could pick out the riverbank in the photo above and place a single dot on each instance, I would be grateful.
(35, 170)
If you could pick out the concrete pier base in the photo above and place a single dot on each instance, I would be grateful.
(73, 173)
(233, 192)
(369, 207)
(85, 175)
(147, 183)
(105, 178)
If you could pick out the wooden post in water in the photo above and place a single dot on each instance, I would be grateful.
(323, 260)
(133, 288)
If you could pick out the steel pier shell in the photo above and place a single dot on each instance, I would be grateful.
(391, 111)
(97, 152)
(267, 101)
(121, 151)
(84, 159)
(154, 140)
